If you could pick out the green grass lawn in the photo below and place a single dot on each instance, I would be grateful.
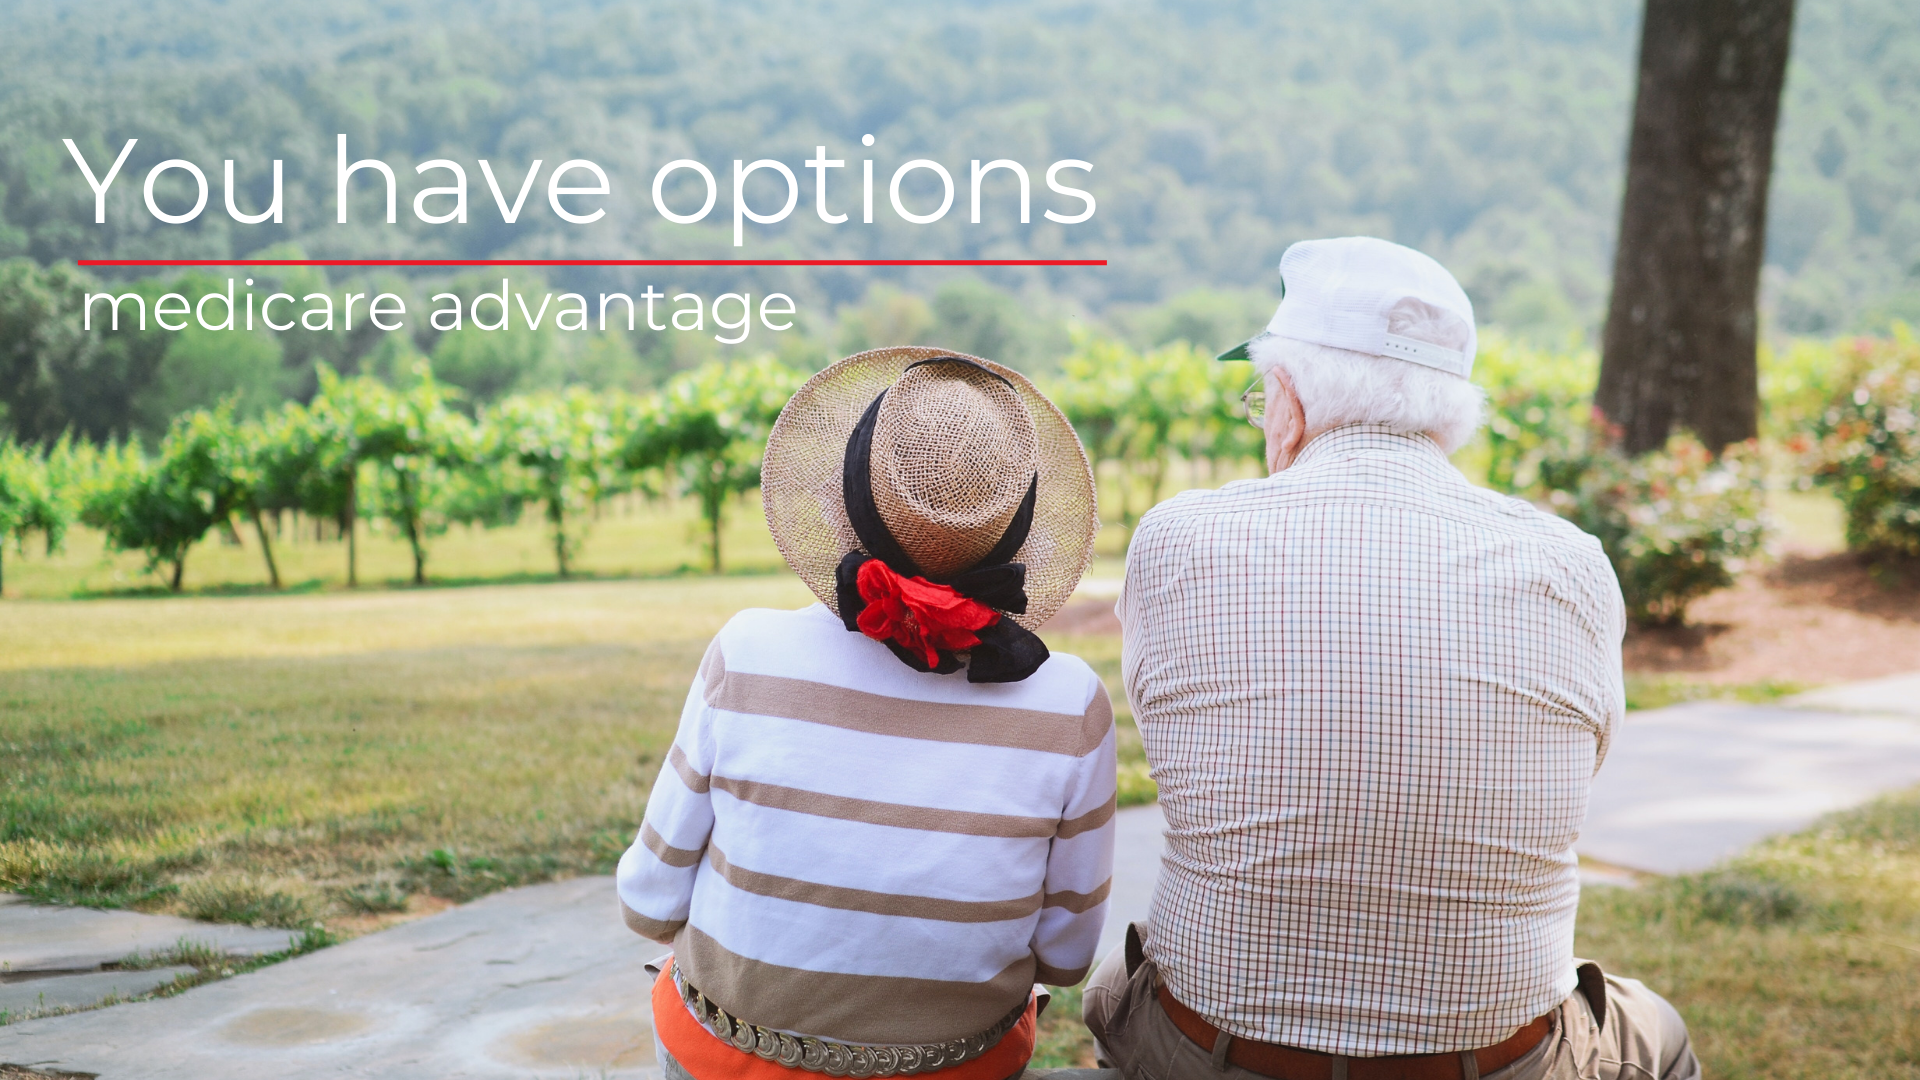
(632, 538)
(282, 759)
(285, 759)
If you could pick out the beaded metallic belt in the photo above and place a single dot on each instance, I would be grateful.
(838, 1058)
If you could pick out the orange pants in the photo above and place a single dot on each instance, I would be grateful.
(706, 1056)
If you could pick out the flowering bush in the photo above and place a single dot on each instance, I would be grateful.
(1677, 524)
(1866, 444)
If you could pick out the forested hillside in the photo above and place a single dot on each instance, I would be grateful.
(1489, 133)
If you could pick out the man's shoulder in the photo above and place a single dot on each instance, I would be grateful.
(1520, 515)
(1198, 504)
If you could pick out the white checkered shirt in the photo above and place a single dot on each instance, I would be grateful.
(1374, 697)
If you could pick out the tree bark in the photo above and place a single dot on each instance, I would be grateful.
(266, 549)
(557, 517)
(353, 547)
(1682, 327)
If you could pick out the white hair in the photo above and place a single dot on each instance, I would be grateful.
(1337, 387)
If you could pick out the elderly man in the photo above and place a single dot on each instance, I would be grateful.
(1374, 697)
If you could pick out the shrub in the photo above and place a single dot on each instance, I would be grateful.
(1866, 444)
(1677, 524)
(1538, 404)
(30, 500)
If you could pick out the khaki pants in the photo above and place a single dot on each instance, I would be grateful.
(1642, 1038)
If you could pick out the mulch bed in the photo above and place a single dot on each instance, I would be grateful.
(1806, 619)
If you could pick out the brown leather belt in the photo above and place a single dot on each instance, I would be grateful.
(1288, 1063)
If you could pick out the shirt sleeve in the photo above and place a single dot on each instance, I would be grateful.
(655, 876)
(1080, 860)
(1613, 632)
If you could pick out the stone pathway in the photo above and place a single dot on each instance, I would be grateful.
(57, 957)
(40, 938)
(1688, 785)
(547, 982)
(538, 982)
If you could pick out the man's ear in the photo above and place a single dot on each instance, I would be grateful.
(1283, 407)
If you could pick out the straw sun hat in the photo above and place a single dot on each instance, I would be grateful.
(934, 501)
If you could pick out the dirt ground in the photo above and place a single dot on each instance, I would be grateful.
(1806, 619)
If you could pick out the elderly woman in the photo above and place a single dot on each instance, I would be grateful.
(886, 816)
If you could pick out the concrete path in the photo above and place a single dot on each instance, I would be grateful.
(38, 937)
(53, 957)
(1895, 696)
(537, 982)
(1136, 866)
(1686, 786)
(40, 992)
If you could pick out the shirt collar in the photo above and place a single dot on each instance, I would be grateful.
(1353, 439)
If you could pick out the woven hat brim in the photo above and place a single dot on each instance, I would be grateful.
(801, 479)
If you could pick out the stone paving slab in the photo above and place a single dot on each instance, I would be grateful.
(540, 982)
(39, 937)
(1686, 786)
(71, 991)
(1895, 696)
(1138, 841)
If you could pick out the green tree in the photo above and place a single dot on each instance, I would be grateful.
(1136, 409)
(46, 359)
(164, 505)
(710, 426)
(201, 368)
(567, 450)
(321, 449)
(30, 500)
(413, 441)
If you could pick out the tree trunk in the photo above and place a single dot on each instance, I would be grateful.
(1682, 327)
(3, 568)
(557, 517)
(350, 524)
(410, 507)
(266, 549)
(179, 573)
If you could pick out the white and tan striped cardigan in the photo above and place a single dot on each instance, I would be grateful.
(847, 848)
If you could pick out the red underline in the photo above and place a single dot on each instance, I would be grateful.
(592, 262)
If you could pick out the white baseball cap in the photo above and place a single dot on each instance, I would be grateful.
(1370, 296)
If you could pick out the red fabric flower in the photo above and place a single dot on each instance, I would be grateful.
(917, 614)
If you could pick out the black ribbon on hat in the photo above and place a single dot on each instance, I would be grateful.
(1007, 652)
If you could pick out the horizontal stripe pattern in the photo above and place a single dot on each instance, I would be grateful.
(666, 852)
(1053, 976)
(696, 781)
(874, 903)
(660, 930)
(868, 853)
(1078, 902)
(878, 714)
(1090, 820)
(896, 815)
(907, 772)
(852, 1008)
